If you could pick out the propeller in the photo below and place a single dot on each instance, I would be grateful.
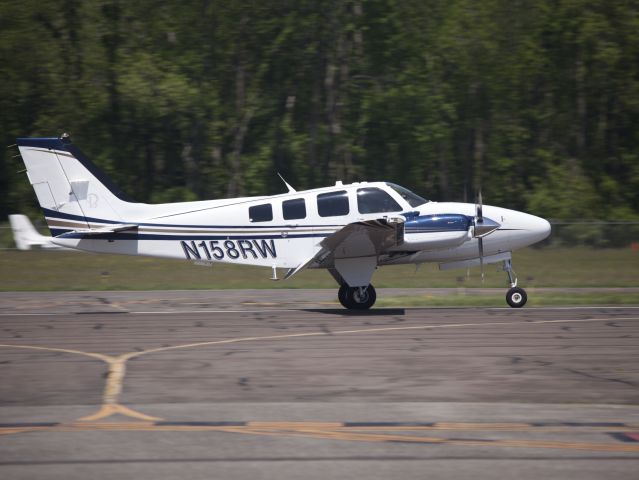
(482, 227)
(479, 221)
(479, 208)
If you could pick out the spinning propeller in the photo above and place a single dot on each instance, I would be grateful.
(482, 227)
(479, 221)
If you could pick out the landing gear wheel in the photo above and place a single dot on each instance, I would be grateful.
(516, 297)
(341, 294)
(357, 298)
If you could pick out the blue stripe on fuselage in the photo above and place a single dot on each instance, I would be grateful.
(145, 236)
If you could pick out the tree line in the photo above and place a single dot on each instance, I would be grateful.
(534, 102)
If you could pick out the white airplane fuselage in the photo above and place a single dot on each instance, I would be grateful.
(347, 229)
(220, 231)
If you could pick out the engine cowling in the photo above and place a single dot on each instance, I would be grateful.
(438, 231)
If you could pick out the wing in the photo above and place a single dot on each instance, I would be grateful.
(360, 239)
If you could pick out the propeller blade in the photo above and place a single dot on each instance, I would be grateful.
(480, 241)
(481, 230)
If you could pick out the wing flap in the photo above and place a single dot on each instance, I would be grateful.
(360, 239)
(365, 238)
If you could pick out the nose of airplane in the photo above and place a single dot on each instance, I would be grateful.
(529, 230)
(539, 228)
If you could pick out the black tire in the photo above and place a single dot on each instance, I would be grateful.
(341, 294)
(516, 297)
(351, 298)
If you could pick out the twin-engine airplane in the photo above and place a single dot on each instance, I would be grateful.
(349, 230)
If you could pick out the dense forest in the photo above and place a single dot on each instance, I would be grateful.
(537, 101)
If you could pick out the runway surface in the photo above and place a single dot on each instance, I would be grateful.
(285, 384)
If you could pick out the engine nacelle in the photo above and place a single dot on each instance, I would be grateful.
(433, 232)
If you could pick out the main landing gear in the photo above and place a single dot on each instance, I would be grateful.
(357, 298)
(515, 297)
(363, 298)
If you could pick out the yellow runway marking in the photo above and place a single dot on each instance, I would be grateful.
(381, 437)
(117, 371)
(330, 431)
(113, 386)
(109, 409)
(489, 427)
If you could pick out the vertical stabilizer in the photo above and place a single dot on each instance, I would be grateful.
(73, 193)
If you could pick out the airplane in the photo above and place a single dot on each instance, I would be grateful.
(348, 229)
(27, 237)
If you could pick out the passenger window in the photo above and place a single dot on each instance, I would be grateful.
(293, 209)
(374, 200)
(261, 213)
(332, 204)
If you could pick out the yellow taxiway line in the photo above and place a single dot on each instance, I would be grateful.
(335, 431)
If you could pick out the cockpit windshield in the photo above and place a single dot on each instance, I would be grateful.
(413, 199)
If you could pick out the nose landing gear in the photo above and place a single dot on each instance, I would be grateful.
(515, 297)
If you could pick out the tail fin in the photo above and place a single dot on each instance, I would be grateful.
(25, 234)
(73, 193)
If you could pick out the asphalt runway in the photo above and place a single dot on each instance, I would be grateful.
(285, 384)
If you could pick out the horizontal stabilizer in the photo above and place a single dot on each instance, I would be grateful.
(102, 230)
(26, 236)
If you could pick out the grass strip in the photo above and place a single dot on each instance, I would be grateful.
(76, 271)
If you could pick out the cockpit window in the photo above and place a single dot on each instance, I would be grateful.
(413, 199)
(374, 200)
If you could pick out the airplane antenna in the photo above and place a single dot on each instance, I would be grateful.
(290, 189)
